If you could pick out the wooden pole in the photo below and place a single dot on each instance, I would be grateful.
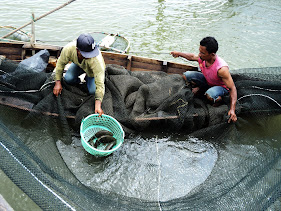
(42, 16)
(155, 118)
(32, 40)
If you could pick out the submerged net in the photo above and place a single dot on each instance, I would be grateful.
(199, 162)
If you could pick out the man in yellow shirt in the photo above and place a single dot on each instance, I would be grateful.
(86, 58)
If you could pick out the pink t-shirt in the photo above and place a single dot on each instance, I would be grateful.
(211, 72)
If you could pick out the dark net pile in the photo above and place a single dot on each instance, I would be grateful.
(141, 102)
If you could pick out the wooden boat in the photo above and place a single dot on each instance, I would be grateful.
(111, 42)
(18, 51)
(17, 36)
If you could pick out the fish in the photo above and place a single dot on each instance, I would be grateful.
(105, 139)
(93, 144)
(91, 139)
(96, 144)
(102, 133)
(110, 145)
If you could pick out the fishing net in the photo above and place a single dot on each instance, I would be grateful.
(179, 153)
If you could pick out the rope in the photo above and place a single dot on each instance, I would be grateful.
(32, 18)
(159, 174)
(29, 91)
(271, 90)
(250, 95)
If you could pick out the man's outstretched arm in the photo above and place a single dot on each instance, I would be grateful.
(188, 56)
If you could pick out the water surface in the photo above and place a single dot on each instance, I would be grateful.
(248, 32)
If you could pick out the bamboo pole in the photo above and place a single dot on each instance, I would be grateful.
(42, 16)
(32, 40)
(156, 118)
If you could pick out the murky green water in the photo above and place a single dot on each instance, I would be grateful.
(248, 33)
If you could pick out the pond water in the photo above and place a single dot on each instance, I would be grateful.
(248, 32)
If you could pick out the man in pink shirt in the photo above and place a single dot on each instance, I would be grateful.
(214, 77)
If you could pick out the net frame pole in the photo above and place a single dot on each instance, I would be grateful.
(32, 40)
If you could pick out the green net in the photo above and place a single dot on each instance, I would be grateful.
(179, 152)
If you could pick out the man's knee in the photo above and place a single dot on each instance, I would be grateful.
(70, 79)
(91, 85)
(92, 91)
(217, 100)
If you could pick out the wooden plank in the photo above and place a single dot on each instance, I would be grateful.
(10, 51)
(40, 47)
(161, 117)
(176, 71)
(12, 101)
(28, 50)
(147, 66)
(118, 62)
(12, 44)
(25, 106)
(156, 118)
(178, 65)
(114, 56)
(147, 60)
(13, 57)
(139, 69)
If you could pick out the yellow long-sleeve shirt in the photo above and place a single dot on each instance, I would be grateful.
(94, 67)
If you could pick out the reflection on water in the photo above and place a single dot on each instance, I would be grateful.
(14, 196)
(142, 167)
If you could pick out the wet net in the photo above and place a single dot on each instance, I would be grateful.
(179, 153)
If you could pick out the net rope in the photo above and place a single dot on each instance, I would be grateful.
(159, 173)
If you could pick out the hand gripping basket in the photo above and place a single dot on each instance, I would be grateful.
(93, 124)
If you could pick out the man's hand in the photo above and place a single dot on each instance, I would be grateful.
(57, 88)
(228, 81)
(232, 116)
(98, 109)
(175, 54)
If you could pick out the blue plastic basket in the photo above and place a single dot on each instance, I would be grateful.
(93, 124)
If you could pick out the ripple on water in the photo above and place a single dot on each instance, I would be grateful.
(134, 170)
